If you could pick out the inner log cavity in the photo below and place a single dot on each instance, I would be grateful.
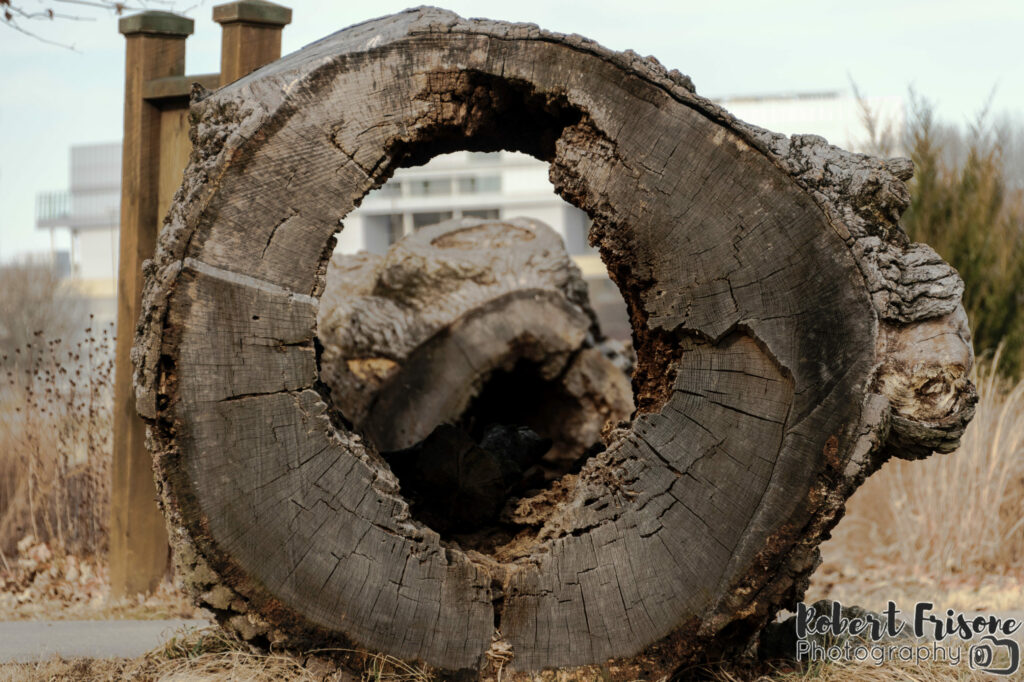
(470, 358)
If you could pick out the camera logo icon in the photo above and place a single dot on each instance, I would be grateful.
(982, 656)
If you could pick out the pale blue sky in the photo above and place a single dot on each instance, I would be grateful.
(952, 52)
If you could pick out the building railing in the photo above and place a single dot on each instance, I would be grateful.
(52, 208)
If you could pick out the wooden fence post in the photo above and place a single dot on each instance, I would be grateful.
(155, 48)
(250, 37)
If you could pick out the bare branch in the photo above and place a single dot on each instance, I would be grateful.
(19, 29)
(882, 138)
(116, 7)
(12, 13)
(48, 15)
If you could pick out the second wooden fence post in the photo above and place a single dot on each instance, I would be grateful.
(251, 36)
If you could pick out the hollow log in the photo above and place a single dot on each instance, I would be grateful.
(459, 338)
(464, 319)
(789, 340)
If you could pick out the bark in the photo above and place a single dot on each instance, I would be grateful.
(789, 340)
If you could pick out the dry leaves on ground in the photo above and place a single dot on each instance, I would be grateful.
(42, 584)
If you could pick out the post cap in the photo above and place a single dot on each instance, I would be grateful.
(156, 22)
(252, 12)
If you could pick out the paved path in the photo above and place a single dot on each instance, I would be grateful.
(33, 640)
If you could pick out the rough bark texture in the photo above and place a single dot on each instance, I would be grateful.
(789, 340)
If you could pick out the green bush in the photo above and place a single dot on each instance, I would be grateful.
(965, 205)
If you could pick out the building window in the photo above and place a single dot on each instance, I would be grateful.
(392, 188)
(382, 231)
(394, 228)
(482, 213)
(476, 184)
(484, 157)
(577, 229)
(430, 188)
(423, 219)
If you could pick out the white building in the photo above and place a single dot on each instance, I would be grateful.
(836, 116)
(90, 211)
(498, 185)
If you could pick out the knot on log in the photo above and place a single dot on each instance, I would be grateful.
(924, 373)
(789, 339)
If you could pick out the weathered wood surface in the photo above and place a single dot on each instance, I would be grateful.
(789, 340)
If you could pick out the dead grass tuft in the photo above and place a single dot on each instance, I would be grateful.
(55, 442)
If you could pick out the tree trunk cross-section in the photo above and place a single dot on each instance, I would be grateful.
(789, 339)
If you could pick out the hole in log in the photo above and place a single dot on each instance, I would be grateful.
(524, 397)
(469, 353)
(519, 435)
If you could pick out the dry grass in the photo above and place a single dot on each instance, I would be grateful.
(54, 413)
(55, 442)
(55, 450)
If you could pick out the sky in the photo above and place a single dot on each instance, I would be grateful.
(954, 53)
